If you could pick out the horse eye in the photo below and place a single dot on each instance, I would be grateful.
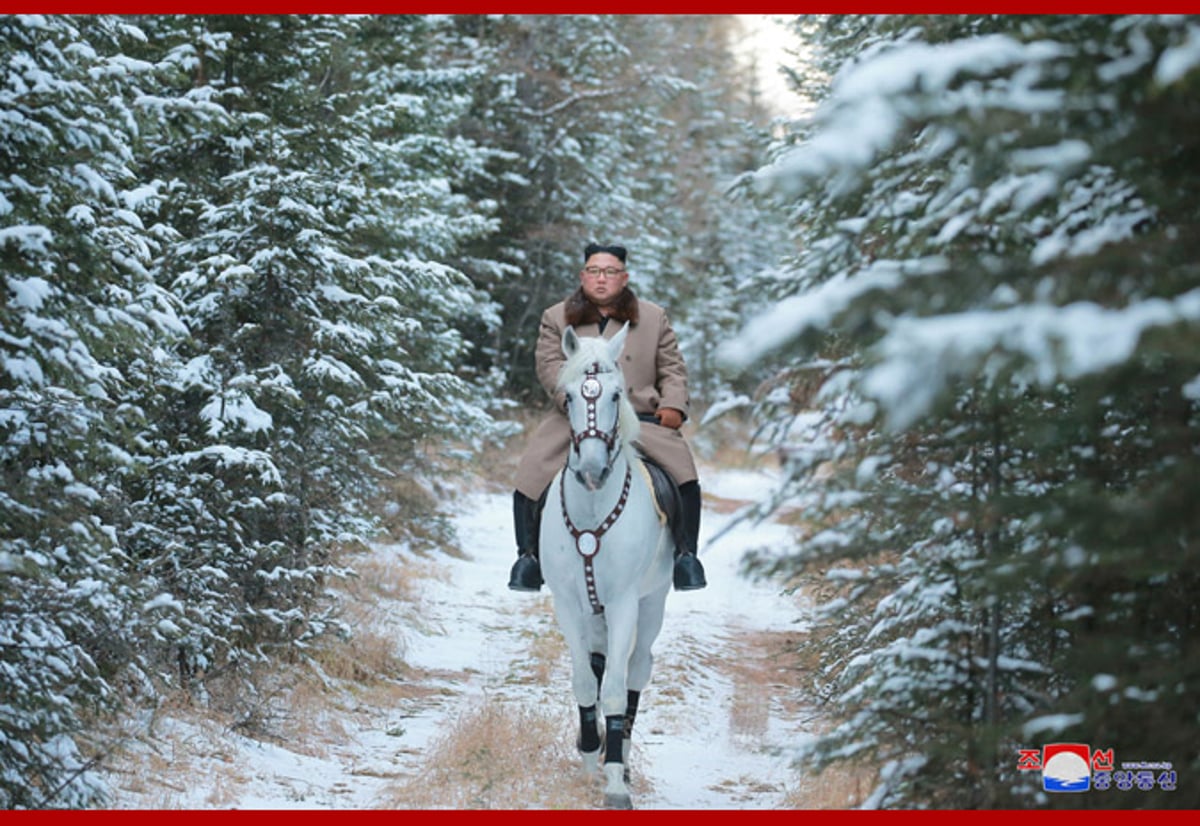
(617, 396)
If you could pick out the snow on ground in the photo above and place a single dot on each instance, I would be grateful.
(714, 731)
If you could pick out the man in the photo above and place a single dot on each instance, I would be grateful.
(657, 387)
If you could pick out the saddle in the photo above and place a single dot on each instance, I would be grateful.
(666, 499)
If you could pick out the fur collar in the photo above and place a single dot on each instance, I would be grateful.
(579, 310)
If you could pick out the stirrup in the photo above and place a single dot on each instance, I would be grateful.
(526, 574)
(689, 573)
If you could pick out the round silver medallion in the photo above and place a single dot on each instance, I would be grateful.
(590, 388)
(587, 543)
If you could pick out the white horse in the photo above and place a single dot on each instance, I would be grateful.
(606, 555)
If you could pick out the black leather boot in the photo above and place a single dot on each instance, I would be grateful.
(526, 572)
(689, 573)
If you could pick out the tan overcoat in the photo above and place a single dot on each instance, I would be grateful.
(655, 376)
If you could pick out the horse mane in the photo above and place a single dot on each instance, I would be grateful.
(595, 351)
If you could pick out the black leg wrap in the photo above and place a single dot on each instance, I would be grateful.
(598, 670)
(631, 706)
(614, 735)
(589, 737)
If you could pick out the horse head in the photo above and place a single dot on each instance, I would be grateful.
(603, 422)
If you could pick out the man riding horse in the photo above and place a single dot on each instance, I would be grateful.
(656, 377)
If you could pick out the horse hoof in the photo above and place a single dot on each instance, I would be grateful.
(618, 801)
(616, 793)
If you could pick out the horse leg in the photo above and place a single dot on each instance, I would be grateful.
(589, 739)
(591, 735)
(651, 610)
(585, 685)
(641, 662)
(622, 625)
(631, 707)
(597, 660)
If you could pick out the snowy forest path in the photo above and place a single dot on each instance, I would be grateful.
(714, 724)
(481, 715)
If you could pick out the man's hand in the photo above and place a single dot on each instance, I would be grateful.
(669, 417)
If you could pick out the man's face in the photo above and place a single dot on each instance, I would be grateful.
(603, 277)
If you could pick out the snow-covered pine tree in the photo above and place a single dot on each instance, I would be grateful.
(718, 236)
(311, 188)
(998, 299)
(80, 313)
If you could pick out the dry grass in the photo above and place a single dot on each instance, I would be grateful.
(368, 667)
(371, 652)
(838, 787)
(844, 785)
(498, 756)
(785, 515)
(548, 655)
(305, 705)
(404, 506)
(763, 675)
(404, 503)
(772, 664)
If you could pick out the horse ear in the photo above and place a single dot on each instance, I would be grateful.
(570, 341)
(617, 342)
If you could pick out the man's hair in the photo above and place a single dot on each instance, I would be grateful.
(612, 249)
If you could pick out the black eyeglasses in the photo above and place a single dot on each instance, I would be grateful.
(607, 272)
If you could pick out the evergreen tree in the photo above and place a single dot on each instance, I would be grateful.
(995, 315)
(718, 234)
(80, 314)
(315, 210)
